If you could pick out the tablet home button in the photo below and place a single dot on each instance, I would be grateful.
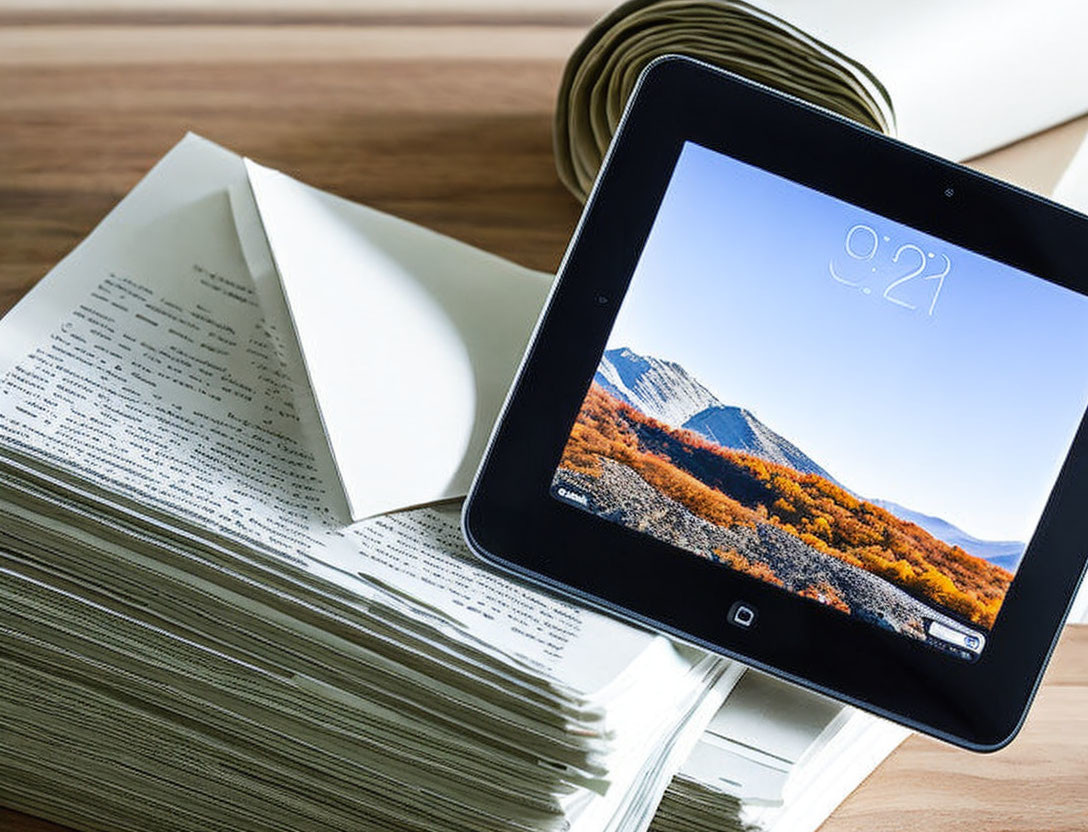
(743, 615)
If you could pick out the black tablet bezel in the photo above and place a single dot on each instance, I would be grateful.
(511, 520)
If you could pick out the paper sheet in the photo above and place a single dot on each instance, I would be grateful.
(410, 339)
(753, 743)
(964, 77)
(1072, 188)
(633, 807)
(828, 778)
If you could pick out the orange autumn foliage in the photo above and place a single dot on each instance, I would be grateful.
(732, 488)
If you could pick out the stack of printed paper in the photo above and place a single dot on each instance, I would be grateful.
(194, 636)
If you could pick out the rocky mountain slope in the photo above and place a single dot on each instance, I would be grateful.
(620, 495)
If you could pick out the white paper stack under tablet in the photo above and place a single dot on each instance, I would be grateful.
(774, 758)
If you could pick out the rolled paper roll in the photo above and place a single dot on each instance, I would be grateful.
(736, 36)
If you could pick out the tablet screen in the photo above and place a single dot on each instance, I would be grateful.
(832, 402)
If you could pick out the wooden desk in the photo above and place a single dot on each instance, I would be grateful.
(443, 118)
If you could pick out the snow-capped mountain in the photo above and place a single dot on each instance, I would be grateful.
(735, 427)
(665, 391)
(662, 390)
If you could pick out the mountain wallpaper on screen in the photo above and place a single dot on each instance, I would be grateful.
(656, 451)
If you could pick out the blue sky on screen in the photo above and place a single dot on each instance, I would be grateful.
(965, 414)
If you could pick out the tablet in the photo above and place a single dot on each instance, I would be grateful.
(812, 399)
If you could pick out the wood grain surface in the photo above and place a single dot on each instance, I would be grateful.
(440, 112)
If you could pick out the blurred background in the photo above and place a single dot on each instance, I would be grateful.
(439, 111)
